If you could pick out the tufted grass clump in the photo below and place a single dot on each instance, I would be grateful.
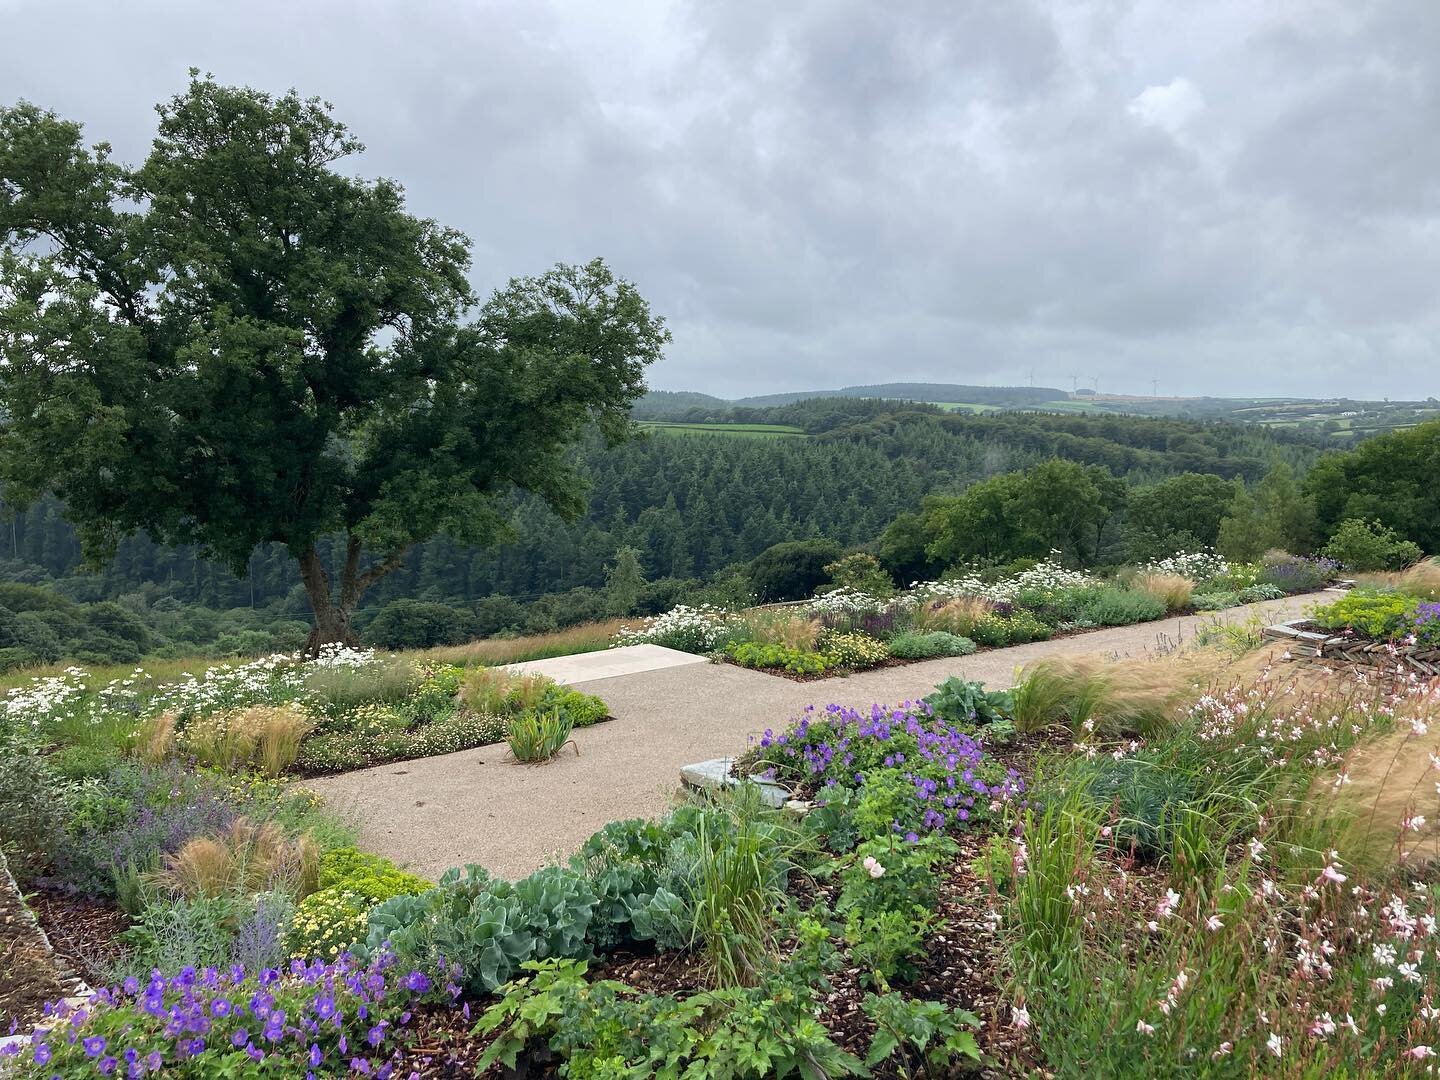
(536, 736)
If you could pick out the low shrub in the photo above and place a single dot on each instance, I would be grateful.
(990, 630)
(1365, 546)
(380, 735)
(919, 645)
(1376, 614)
(1141, 798)
(332, 690)
(1122, 607)
(1295, 573)
(752, 654)
(1022, 626)
(1215, 601)
(328, 923)
(854, 651)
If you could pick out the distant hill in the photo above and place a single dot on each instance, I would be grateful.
(1012, 396)
(659, 404)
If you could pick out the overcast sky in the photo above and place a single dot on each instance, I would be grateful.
(1230, 197)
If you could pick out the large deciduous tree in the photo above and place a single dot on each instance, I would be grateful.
(235, 343)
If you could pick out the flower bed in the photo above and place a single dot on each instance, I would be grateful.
(846, 630)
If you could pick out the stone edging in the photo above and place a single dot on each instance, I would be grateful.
(1424, 660)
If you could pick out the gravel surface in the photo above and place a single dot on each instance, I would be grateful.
(477, 806)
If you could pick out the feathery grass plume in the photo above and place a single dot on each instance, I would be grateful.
(956, 616)
(246, 858)
(1114, 697)
(779, 627)
(337, 689)
(499, 692)
(587, 637)
(1421, 580)
(155, 740)
(1172, 589)
(266, 737)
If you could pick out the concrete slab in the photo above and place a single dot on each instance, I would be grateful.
(608, 663)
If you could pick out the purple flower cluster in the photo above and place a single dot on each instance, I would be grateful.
(1426, 627)
(948, 780)
(313, 1018)
(1298, 573)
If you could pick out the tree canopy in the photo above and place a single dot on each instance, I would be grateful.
(233, 344)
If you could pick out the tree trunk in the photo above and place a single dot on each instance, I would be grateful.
(332, 620)
(332, 616)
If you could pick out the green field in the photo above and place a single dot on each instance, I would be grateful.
(963, 406)
(743, 431)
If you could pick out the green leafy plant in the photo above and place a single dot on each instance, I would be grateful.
(888, 943)
(957, 701)
(537, 736)
(1121, 607)
(927, 1037)
(753, 654)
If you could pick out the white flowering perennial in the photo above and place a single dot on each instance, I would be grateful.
(694, 629)
(70, 697)
(1198, 566)
(1048, 576)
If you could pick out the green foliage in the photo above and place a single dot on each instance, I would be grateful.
(918, 645)
(888, 943)
(792, 570)
(327, 923)
(390, 439)
(1056, 504)
(174, 933)
(888, 873)
(537, 735)
(624, 581)
(1179, 513)
(1376, 614)
(419, 624)
(32, 804)
(753, 654)
(372, 876)
(1390, 479)
(1143, 797)
(1365, 546)
(1273, 515)
(1122, 607)
(957, 701)
(863, 572)
(744, 852)
(605, 1028)
(929, 1038)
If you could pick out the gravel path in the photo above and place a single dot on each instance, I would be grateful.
(476, 806)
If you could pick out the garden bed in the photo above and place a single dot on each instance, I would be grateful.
(1306, 637)
(33, 973)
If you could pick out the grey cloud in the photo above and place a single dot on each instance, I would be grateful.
(1230, 197)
